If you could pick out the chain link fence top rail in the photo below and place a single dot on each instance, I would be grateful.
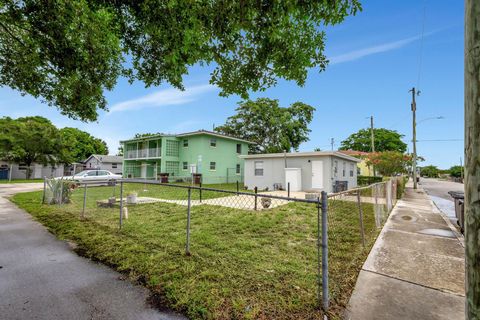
(270, 242)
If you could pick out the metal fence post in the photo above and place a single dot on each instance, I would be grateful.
(360, 213)
(319, 251)
(121, 204)
(187, 246)
(237, 188)
(256, 191)
(288, 189)
(84, 200)
(44, 189)
(325, 296)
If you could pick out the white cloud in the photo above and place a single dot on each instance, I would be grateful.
(358, 54)
(162, 98)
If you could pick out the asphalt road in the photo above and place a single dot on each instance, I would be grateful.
(41, 278)
(438, 192)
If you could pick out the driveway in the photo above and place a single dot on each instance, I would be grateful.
(41, 278)
(438, 192)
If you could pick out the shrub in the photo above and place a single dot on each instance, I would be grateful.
(367, 180)
(58, 191)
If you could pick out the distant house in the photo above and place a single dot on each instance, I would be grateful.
(113, 164)
(363, 168)
(215, 156)
(304, 171)
(38, 170)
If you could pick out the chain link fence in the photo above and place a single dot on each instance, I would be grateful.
(355, 218)
(323, 239)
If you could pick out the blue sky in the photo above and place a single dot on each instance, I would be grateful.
(375, 59)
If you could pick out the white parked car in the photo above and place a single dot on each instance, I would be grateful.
(94, 176)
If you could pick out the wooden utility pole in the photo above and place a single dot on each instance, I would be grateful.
(472, 164)
(414, 139)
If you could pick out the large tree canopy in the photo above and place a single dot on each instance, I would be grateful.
(68, 52)
(385, 140)
(31, 139)
(81, 144)
(270, 127)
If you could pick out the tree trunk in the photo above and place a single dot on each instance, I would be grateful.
(472, 159)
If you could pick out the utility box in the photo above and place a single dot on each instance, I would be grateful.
(293, 176)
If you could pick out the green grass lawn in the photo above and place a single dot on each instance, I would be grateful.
(244, 264)
(22, 181)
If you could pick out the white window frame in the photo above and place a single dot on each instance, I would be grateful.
(213, 142)
(238, 169)
(214, 166)
(239, 148)
(258, 165)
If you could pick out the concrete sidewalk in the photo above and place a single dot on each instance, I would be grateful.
(415, 269)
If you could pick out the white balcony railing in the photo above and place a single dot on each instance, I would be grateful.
(142, 153)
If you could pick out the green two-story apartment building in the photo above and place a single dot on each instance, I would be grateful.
(213, 155)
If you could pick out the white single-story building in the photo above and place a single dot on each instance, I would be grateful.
(104, 162)
(38, 171)
(305, 171)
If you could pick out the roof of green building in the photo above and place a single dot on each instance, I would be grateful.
(187, 134)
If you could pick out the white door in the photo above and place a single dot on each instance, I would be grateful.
(293, 176)
(317, 174)
(143, 171)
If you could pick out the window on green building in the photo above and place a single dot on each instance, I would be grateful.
(185, 165)
(185, 143)
(237, 169)
(239, 148)
(213, 165)
(213, 142)
(172, 148)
